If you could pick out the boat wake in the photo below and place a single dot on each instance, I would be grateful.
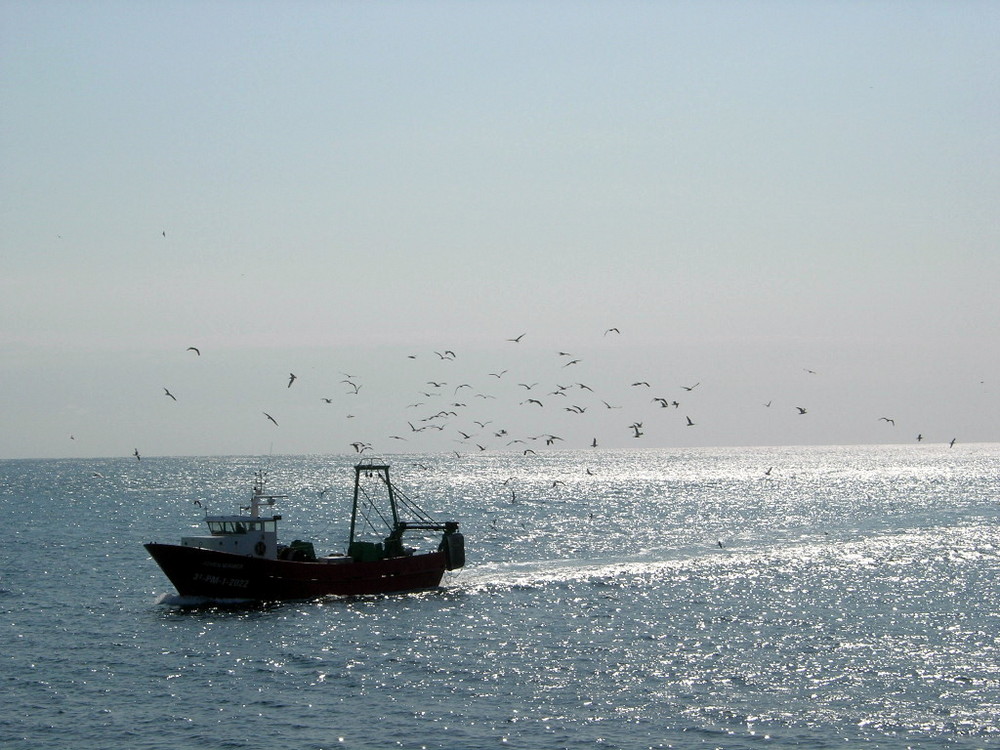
(191, 602)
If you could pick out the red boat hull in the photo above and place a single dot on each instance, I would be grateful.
(221, 575)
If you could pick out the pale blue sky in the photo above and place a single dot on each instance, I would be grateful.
(745, 190)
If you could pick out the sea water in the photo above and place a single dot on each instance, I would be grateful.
(733, 598)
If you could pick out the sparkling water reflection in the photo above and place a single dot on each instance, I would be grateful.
(811, 597)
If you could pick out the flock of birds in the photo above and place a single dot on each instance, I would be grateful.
(469, 416)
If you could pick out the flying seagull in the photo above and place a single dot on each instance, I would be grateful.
(271, 418)
(291, 379)
(139, 458)
(194, 349)
(611, 330)
(170, 394)
(887, 419)
(690, 423)
(517, 339)
(801, 409)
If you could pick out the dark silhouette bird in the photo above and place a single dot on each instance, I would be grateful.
(593, 444)
(920, 437)
(952, 443)
(887, 419)
(640, 382)
(271, 418)
(291, 379)
(611, 330)
(360, 447)
(662, 402)
(517, 339)
(801, 409)
(136, 454)
(168, 393)
(532, 401)
(691, 387)
(689, 422)
(194, 349)
(572, 362)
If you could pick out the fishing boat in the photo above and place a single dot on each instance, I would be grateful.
(241, 557)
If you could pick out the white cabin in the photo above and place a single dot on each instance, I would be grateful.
(252, 535)
(239, 535)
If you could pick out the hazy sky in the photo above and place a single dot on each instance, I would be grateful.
(785, 203)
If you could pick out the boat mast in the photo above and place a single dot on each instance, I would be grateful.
(260, 482)
(383, 471)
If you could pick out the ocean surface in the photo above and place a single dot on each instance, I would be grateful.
(817, 597)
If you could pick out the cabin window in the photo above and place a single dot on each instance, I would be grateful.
(222, 528)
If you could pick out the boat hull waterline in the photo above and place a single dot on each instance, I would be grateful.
(220, 575)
